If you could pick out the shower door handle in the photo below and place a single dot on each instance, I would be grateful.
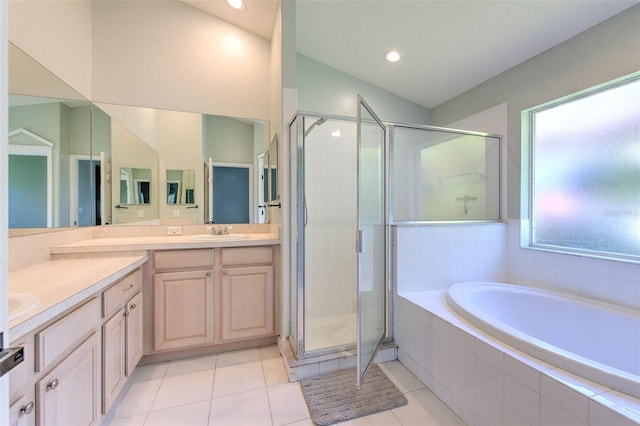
(359, 241)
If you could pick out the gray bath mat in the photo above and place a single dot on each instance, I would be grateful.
(333, 398)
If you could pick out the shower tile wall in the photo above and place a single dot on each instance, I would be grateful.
(436, 256)
(330, 187)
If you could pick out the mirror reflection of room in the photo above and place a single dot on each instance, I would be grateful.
(100, 139)
(135, 186)
(232, 149)
(180, 187)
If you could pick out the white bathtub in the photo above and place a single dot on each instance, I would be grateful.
(595, 340)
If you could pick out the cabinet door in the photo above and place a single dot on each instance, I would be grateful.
(134, 333)
(22, 412)
(182, 309)
(113, 344)
(246, 305)
(70, 393)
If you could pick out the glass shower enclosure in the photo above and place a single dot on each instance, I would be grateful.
(350, 180)
(324, 224)
(340, 235)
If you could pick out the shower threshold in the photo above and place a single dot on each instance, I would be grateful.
(328, 362)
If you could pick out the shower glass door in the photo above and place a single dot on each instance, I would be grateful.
(371, 237)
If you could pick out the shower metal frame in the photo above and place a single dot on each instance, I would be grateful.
(298, 345)
(391, 141)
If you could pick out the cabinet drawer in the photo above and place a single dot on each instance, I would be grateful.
(246, 256)
(119, 293)
(183, 259)
(65, 333)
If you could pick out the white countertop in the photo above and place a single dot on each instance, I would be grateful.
(92, 265)
(98, 245)
(62, 283)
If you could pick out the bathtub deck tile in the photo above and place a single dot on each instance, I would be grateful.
(523, 389)
(489, 354)
(512, 419)
(602, 411)
(489, 379)
(624, 402)
(552, 413)
(523, 373)
(488, 409)
(577, 383)
(529, 361)
(522, 400)
(572, 402)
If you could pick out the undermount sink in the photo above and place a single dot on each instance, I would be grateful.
(214, 237)
(21, 304)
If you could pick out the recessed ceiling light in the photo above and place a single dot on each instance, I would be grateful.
(392, 55)
(336, 133)
(236, 4)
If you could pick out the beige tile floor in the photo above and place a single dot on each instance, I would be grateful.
(250, 388)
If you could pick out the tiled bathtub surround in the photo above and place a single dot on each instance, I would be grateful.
(481, 379)
(487, 382)
(613, 281)
(436, 256)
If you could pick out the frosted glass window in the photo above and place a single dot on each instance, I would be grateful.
(586, 172)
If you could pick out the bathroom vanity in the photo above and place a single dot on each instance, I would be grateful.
(211, 296)
(105, 304)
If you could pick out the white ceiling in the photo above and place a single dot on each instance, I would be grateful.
(447, 47)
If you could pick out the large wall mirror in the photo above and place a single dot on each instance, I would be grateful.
(50, 164)
(77, 163)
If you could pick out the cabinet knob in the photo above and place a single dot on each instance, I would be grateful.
(209, 274)
(133, 306)
(53, 384)
(225, 272)
(128, 288)
(27, 408)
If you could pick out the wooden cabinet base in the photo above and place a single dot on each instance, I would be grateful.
(183, 309)
(207, 350)
(70, 393)
(246, 303)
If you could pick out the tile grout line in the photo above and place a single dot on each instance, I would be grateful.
(266, 389)
(164, 374)
(215, 369)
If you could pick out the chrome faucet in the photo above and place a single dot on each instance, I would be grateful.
(220, 230)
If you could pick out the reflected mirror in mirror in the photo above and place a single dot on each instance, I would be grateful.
(181, 187)
(135, 186)
(273, 169)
